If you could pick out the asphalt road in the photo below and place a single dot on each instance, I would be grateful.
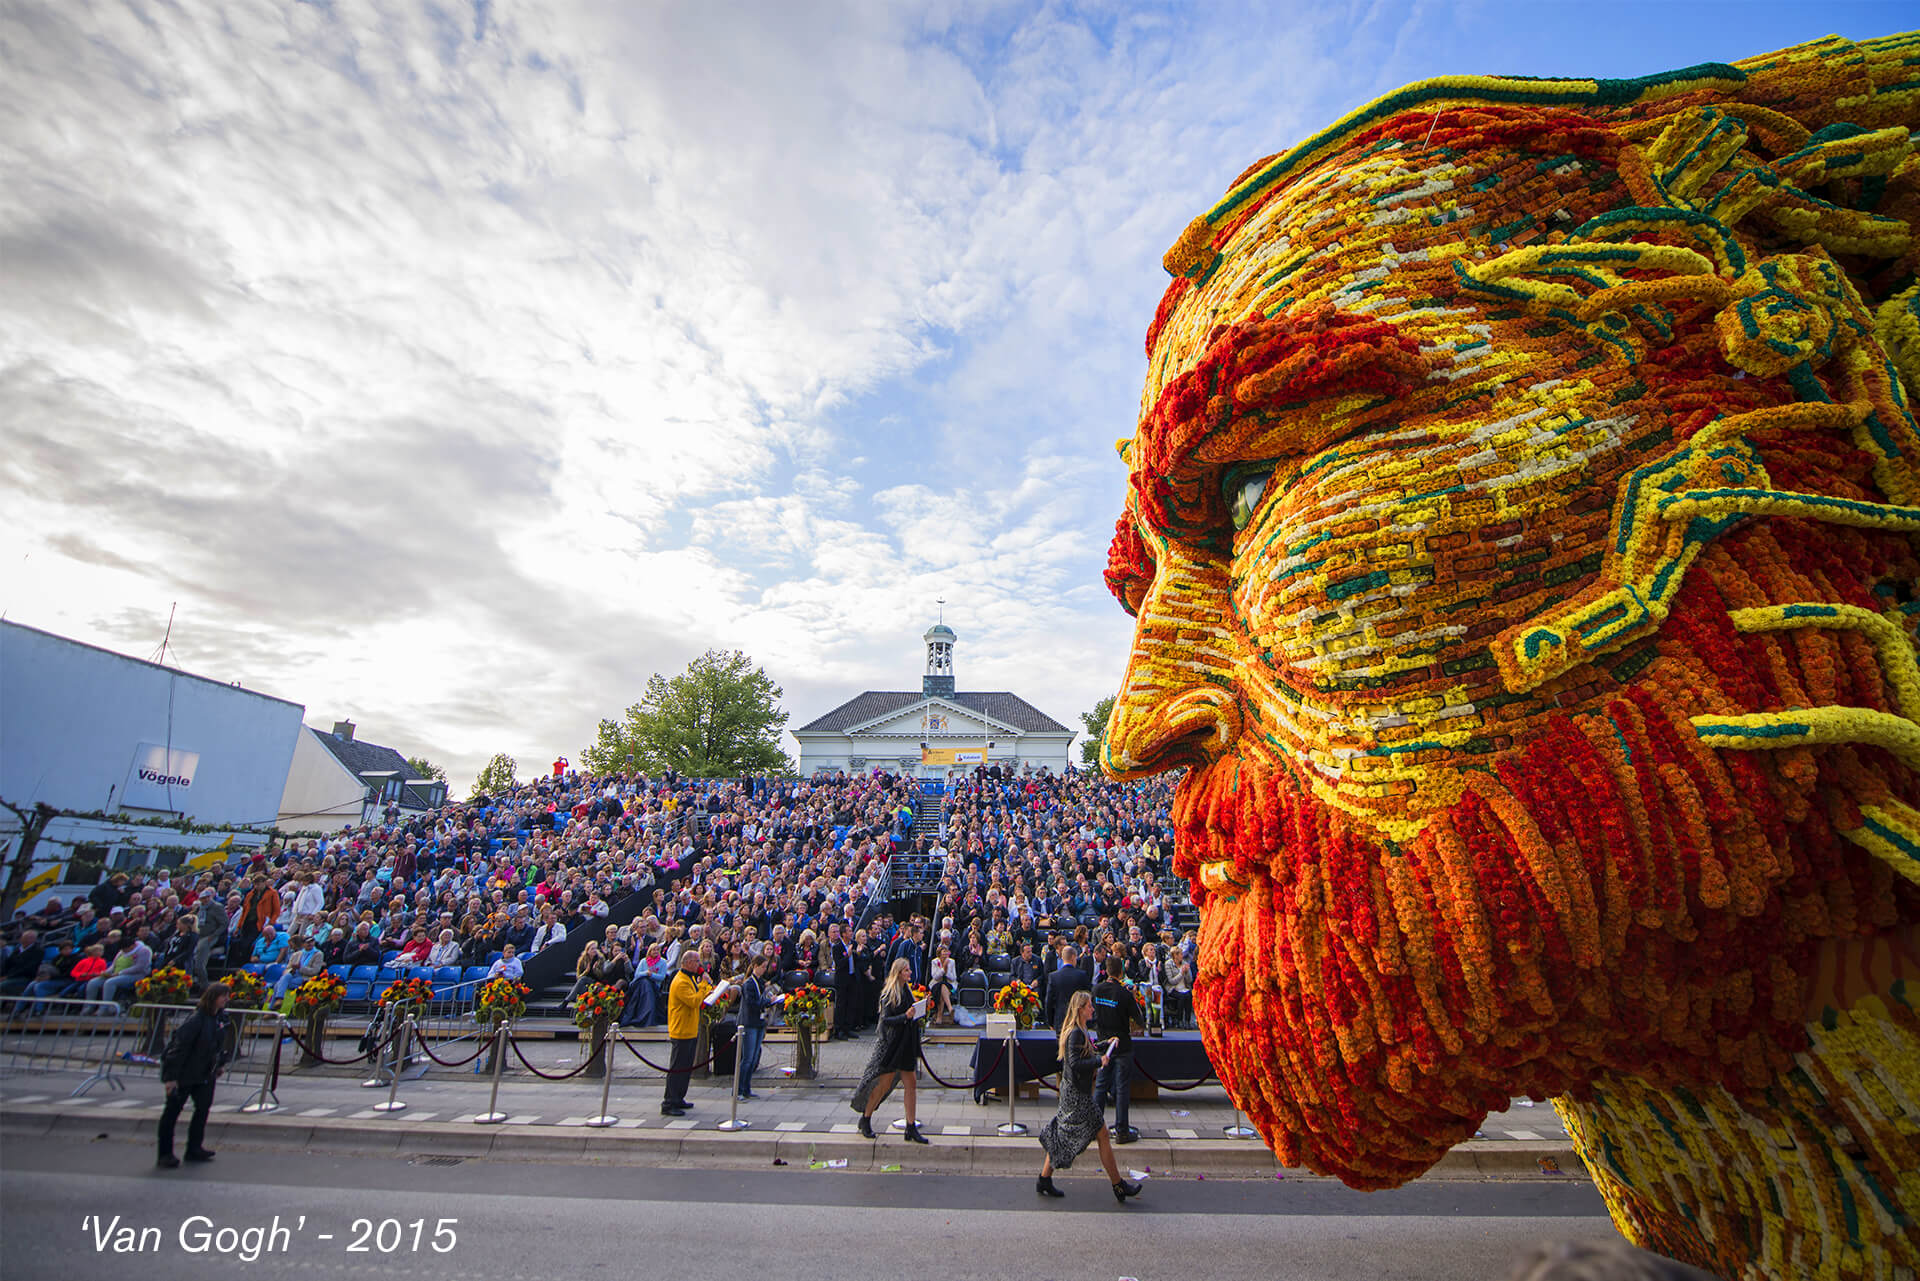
(71, 1208)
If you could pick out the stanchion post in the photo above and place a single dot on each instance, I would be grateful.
(1238, 1130)
(393, 1103)
(1012, 1128)
(376, 1081)
(606, 1118)
(493, 1115)
(733, 1121)
(265, 1099)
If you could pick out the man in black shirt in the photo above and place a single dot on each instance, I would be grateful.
(1115, 1013)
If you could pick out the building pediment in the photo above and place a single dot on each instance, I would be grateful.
(932, 718)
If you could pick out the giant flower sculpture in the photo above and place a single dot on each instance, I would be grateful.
(1521, 534)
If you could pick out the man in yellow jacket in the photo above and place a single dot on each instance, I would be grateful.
(683, 1029)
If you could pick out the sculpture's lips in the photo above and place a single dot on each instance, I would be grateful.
(1219, 879)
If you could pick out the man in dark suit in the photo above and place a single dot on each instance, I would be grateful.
(840, 960)
(1064, 982)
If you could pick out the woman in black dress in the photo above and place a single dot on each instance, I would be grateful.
(896, 1052)
(869, 955)
(1079, 1120)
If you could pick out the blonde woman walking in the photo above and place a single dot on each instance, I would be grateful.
(1079, 1121)
(896, 1052)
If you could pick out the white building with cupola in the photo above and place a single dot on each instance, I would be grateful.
(936, 731)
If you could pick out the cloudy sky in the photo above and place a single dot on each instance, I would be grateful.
(453, 365)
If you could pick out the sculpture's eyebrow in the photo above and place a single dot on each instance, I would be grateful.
(1259, 369)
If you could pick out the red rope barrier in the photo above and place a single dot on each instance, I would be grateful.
(656, 1067)
(363, 1057)
(985, 1079)
(1039, 1077)
(514, 1044)
(428, 1051)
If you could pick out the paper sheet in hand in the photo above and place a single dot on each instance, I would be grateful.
(919, 1008)
(719, 993)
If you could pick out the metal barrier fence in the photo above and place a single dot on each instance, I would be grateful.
(55, 1034)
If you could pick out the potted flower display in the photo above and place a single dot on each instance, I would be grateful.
(160, 989)
(313, 1000)
(1019, 1000)
(498, 1002)
(407, 995)
(806, 1011)
(249, 991)
(594, 1011)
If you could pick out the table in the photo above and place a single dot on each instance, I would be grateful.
(1178, 1057)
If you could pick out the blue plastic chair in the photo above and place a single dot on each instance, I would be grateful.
(448, 975)
(356, 990)
(475, 974)
(494, 956)
(388, 974)
(340, 971)
(386, 958)
(364, 974)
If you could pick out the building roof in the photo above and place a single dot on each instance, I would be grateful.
(364, 758)
(1008, 709)
(940, 629)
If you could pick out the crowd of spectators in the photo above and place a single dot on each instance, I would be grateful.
(1031, 865)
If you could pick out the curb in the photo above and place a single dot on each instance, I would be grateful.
(943, 1154)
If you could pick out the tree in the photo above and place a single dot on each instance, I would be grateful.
(718, 718)
(424, 768)
(496, 778)
(1096, 723)
(33, 821)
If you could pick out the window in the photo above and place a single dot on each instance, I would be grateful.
(128, 857)
(86, 865)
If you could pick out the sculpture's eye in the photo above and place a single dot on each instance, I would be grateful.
(1244, 489)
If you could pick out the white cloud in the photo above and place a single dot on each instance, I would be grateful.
(455, 367)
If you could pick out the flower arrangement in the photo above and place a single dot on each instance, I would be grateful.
(409, 991)
(247, 991)
(1020, 1000)
(500, 999)
(1528, 575)
(920, 993)
(599, 1005)
(320, 994)
(169, 986)
(808, 1007)
(720, 1008)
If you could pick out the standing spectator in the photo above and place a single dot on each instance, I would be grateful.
(752, 1018)
(683, 1029)
(1116, 1013)
(259, 907)
(188, 1068)
(840, 959)
(210, 926)
(1063, 983)
(309, 903)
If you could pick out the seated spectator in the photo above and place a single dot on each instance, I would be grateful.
(133, 963)
(508, 966)
(21, 967)
(550, 931)
(305, 960)
(446, 952)
(417, 951)
(269, 946)
(363, 948)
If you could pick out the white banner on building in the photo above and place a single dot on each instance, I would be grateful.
(159, 779)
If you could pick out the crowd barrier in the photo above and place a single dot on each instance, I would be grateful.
(102, 1039)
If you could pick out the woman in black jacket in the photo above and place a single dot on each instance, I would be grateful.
(1079, 1121)
(192, 1061)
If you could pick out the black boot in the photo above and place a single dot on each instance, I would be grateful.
(913, 1133)
(866, 1127)
(1124, 1189)
(1044, 1186)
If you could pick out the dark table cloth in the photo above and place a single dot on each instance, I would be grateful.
(1177, 1058)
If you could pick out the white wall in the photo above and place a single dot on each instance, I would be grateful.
(320, 796)
(71, 717)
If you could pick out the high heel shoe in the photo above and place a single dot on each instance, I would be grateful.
(866, 1127)
(1044, 1186)
(913, 1133)
(1124, 1189)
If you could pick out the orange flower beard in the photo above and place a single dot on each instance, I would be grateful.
(1367, 1004)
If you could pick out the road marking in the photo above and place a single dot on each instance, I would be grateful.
(681, 1124)
(123, 1103)
(573, 1120)
(843, 1128)
(956, 1129)
(1523, 1134)
(319, 1112)
(1182, 1134)
(30, 1098)
(420, 1116)
(790, 1126)
(363, 1114)
(631, 1123)
(520, 1120)
(79, 1100)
